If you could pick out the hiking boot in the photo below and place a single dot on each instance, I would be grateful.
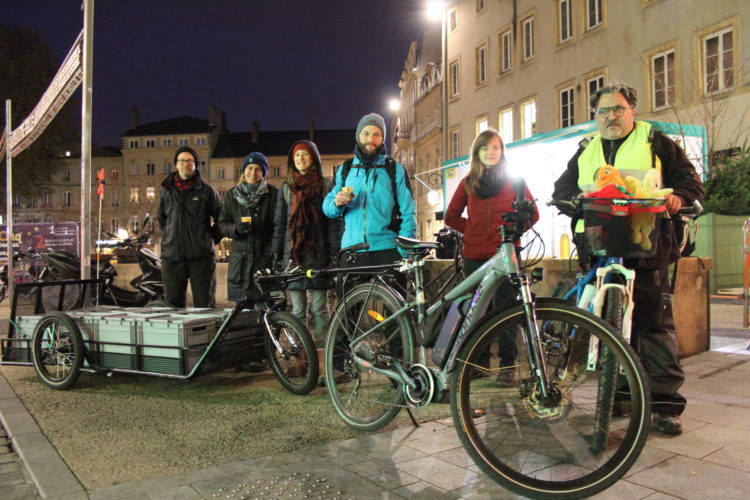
(506, 378)
(668, 423)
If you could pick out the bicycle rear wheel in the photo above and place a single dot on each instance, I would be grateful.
(544, 448)
(365, 399)
(296, 364)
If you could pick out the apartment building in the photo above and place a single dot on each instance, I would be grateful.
(417, 139)
(529, 67)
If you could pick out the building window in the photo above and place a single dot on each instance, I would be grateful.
(183, 142)
(31, 202)
(566, 21)
(115, 199)
(718, 61)
(481, 4)
(150, 143)
(150, 169)
(505, 125)
(150, 193)
(276, 172)
(453, 71)
(166, 143)
(482, 124)
(528, 38)
(134, 195)
(220, 174)
(452, 20)
(592, 87)
(115, 175)
(528, 119)
(133, 144)
(114, 225)
(134, 225)
(506, 51)
(47, 199)
(66, 175)
(166, 167)
(480, 61)
(66, 199)
(567, 108)
(134, 170)
(455, 143)
(200, 141)
(662, 79)
(239, 173)
(593, 13)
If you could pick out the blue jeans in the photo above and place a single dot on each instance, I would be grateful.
(319, 310)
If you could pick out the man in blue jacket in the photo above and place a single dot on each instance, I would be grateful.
(372, 193)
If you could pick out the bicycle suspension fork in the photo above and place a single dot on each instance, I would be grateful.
(533, 339)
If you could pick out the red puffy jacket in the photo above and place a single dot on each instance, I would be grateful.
(480, 229)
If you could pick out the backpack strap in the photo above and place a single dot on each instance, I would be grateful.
(390, 168)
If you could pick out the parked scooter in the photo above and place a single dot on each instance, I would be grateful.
(62, 265)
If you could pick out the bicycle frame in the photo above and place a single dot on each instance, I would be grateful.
(482, 284)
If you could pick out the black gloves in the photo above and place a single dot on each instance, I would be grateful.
(243, 228)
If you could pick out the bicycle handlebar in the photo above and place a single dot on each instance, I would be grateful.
(575, 207)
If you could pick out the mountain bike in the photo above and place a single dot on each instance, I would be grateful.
(606, 288)
(533, 433)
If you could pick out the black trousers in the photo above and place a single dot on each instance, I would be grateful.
(504, 293)
(656, 346)
(202, 276)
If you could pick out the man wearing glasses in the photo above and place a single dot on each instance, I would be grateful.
(188, 209)
(634, 148)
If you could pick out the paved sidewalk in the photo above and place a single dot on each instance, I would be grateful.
(710, 459)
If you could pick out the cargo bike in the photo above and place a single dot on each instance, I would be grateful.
(157, 341)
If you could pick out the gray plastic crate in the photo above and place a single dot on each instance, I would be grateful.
(174, 330)
(181, 365)
(117, 330)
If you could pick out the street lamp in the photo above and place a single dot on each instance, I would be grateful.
(394, 105)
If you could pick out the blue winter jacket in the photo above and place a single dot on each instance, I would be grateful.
(367, 217)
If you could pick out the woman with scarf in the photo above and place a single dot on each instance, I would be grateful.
(487, 193)
(302, 235)
(247, 218)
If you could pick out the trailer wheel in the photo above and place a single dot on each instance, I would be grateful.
(57, 350)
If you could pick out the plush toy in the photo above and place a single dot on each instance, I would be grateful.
(642, 223)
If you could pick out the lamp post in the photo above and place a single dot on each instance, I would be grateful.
(436, 9)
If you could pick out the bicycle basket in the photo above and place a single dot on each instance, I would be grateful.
(622, 227)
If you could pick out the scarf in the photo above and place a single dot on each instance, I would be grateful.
(182, 185)
(490, 183)
(303, 219)
(249, 195)
(368, 159)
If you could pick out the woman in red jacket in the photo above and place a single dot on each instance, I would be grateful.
(487, 193)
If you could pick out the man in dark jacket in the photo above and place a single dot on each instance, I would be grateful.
(188, 210)
(635, 148)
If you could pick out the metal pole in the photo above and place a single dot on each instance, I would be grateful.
(444, 96)
(9, 201)
(87, 64)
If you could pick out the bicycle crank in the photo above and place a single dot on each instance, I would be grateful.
(424, 386)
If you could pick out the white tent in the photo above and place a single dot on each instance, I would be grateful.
(542, 158)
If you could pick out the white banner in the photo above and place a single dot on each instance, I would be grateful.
(66, 81)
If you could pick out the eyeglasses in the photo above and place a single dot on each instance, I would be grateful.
(186, 162)
(617, 110)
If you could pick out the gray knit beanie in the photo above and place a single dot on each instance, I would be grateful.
(371, 119)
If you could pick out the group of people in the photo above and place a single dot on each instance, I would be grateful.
(370, 201)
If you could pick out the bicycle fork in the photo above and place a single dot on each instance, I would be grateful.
(533, 341)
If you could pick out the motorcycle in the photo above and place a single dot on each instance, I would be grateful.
(62, 265)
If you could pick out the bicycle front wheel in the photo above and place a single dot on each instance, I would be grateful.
(545, 447)
(295, 361)
(365, 399)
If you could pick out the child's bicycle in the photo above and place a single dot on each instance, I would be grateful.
(606, 289)
(533, 433)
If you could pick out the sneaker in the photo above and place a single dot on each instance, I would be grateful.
(668, 423)
(506, 378)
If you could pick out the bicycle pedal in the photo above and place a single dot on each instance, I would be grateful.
(478, 412)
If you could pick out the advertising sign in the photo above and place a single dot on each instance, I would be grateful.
(41, 237)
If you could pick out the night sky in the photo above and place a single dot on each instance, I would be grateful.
(280, 62)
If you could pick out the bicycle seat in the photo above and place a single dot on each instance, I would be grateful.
(412, 244)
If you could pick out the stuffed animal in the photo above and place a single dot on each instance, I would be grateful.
(643, 223)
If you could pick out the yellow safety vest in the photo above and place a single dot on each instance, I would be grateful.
(633, 158)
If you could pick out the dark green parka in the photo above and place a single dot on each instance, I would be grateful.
(252, 251)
